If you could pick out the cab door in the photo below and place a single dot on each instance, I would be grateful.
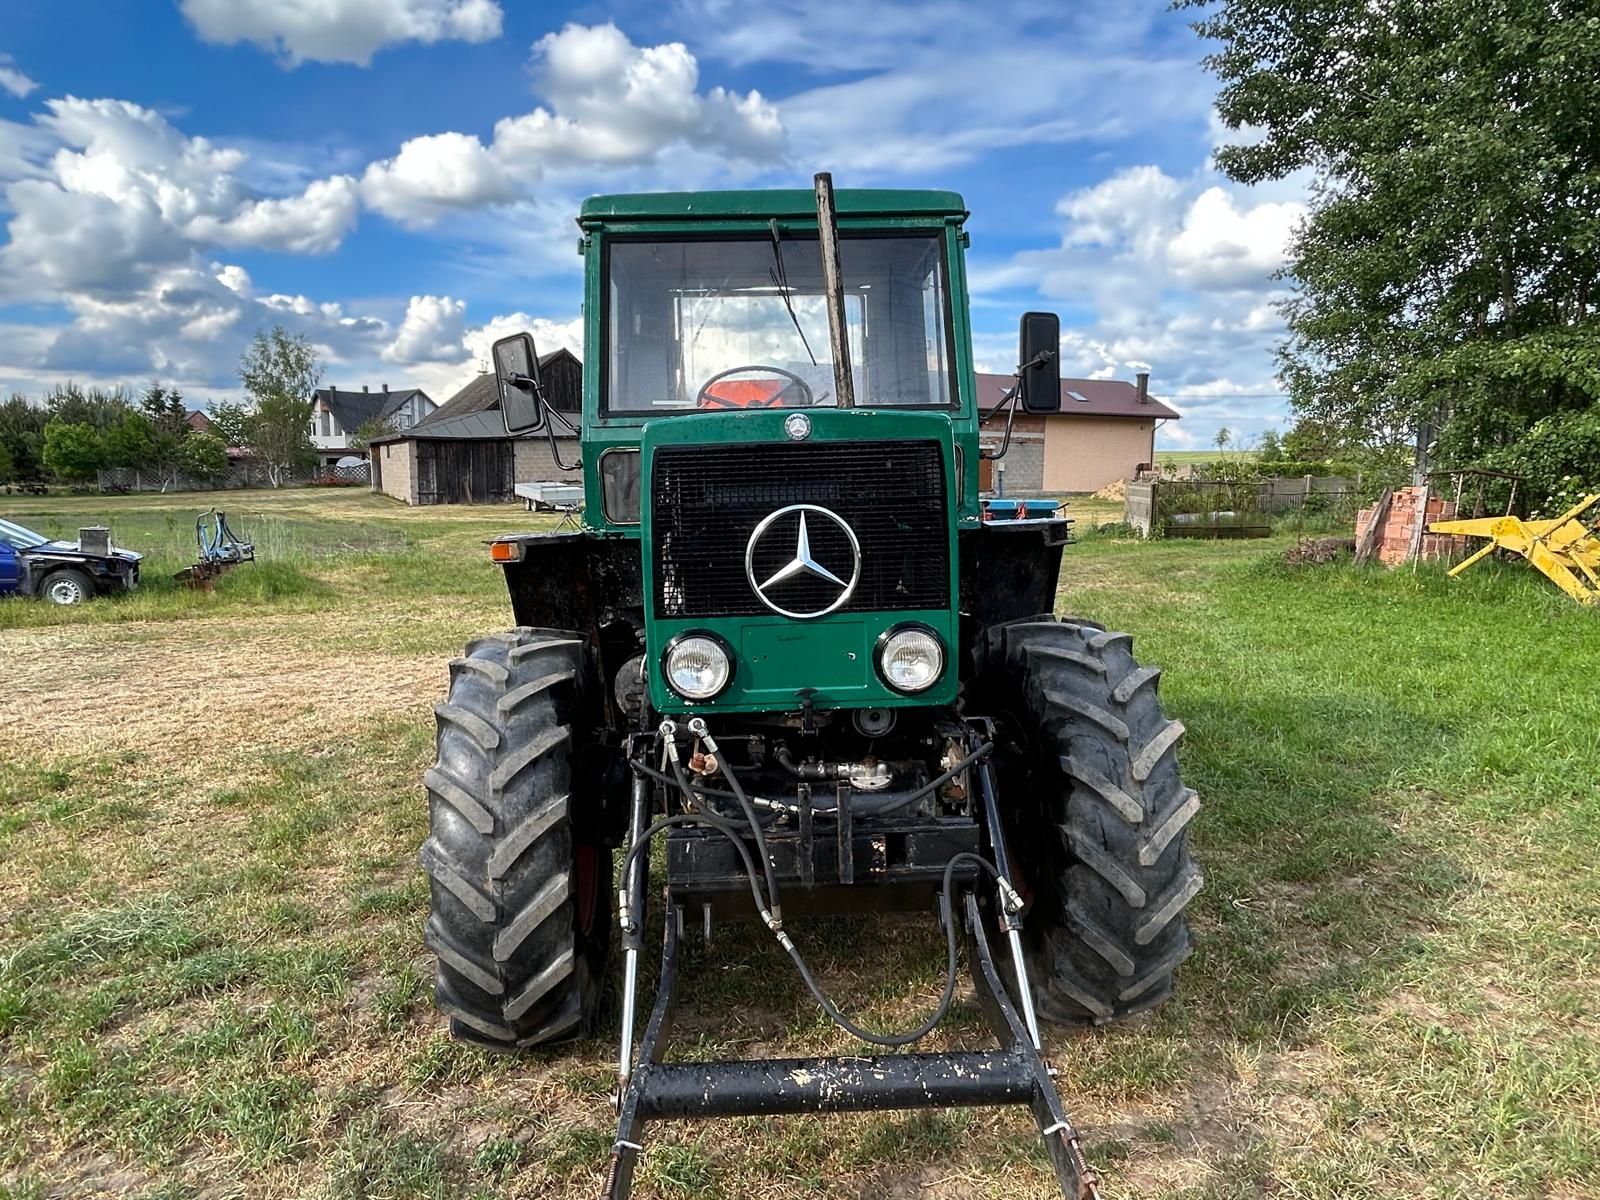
(10, 568)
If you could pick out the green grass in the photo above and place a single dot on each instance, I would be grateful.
(211, 968)
(1201, 456)
(315, 550)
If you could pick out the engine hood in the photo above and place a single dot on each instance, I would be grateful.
(71, 548)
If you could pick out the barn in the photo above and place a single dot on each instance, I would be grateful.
(461, 453)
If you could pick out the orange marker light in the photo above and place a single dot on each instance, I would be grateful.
(504, 552)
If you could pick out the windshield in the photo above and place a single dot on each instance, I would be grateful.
(742, 323)
(19, 538)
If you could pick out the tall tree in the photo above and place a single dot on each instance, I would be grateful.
(228, 421)
(202, 456)
(22, 434)
(361, 439)
(280, 374)
(130, 443)
(1449, 268)
(168, 421)
(72, 451)
(98, 408)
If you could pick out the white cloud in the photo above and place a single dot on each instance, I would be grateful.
(1216, 240)
(548, 335)
(235, 278)
(114, 193)
(189, 324)
(349, 31)
(314, 222)
(611, 104)
(434, 174)
(12, 79)
(930, 85)
(435, 331)
(1179, 277)
(616, 103)
(445, 376)
(1223, 245)
(432, 331)
(1133, 208)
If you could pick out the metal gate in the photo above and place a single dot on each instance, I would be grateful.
(464, 472)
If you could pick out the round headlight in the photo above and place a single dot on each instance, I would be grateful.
(911, 660)
(698, 666)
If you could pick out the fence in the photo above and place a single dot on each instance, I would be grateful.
(1231, 508)
(241, 473)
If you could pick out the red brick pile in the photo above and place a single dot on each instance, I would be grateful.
(1399, 527)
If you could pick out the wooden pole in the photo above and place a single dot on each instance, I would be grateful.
(1369, 539)
(833, 281)
(1421, 526)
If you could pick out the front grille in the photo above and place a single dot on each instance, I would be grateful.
(707, 500)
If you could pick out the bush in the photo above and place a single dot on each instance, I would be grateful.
(1559, 456)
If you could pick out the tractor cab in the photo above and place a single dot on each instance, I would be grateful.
(780, 409)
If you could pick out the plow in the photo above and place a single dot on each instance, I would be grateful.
(785, 669)
(1566, 550)
(219, 550)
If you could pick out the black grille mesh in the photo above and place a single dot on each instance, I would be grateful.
(708, 499)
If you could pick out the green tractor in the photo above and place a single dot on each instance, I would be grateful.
(787, 664)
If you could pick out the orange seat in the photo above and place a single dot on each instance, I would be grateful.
(743, 393)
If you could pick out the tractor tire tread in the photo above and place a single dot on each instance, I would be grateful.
(1108, 857)
(514, 968)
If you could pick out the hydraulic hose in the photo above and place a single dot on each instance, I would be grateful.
(767, 906)
(698, 727)
(864, 805)
(700, 818)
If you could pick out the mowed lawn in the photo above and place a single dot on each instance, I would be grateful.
(1202, 456)
(212, 981)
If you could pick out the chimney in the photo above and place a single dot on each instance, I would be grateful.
(1144, 386)
(365, 388)
(386, 389)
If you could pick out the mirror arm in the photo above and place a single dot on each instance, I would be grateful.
(550, 433)
(1010, 398)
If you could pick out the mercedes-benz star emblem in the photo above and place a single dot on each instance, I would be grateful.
(803, 563)
(797, 426)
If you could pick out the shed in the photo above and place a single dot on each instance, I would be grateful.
(461, 454)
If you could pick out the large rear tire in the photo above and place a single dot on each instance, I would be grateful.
(520, 912)
(1097, 816)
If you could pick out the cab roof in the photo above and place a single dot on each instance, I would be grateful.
(762, 204)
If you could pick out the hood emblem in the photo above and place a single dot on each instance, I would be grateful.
(804, 564)
(797, 426)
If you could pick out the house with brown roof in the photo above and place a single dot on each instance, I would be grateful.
(1105, 431)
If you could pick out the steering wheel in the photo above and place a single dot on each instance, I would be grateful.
(754, 397)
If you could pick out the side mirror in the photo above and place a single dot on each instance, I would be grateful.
(516, 379)
(1039, 353)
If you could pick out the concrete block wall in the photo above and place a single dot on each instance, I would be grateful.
(1022, 468)
(533, 463)
(397, 469)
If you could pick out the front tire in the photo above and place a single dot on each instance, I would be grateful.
(1097, 816)
(520, 912)
(67, 587)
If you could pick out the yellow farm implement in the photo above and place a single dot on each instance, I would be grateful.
(1566, 549)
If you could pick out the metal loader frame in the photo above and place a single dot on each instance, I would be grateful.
(650, 1089)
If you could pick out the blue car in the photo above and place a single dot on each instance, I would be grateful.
(63, 572)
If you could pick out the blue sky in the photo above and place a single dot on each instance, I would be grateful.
(397, 178)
